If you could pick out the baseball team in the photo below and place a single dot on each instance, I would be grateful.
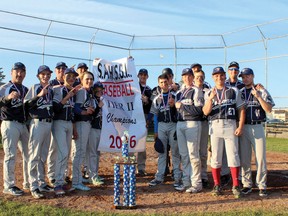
(61, 119)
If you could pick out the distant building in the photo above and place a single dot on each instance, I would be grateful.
(281, 113)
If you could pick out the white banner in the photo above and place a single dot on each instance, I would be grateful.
(122, 108)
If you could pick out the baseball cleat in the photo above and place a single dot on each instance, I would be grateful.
(59, 190)
(193, 190)
(15, 191)
(217, 190)
(46, 188)
(155, 182)
(246, 190)
(263, 193)
(37, 194)
(236, 191)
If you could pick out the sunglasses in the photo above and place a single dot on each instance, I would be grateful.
(61, 68)
(235, 69)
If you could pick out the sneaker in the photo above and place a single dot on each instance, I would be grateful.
(236, 191)
(225, 180)
(177, 184)
(141, 173)
(181, 188)
(217, 190)
(246, 190)
(81, 187)
(193, 190)
(37, 194)
(155, 182)
(15, 191)
(205, 183)
(97, 181)
(263, 193)
(46, 188)
(59, 190)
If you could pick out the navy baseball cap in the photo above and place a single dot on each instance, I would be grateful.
(246, 71)
(217, 70)
(19, 65)
(187, 71)
(167, 71)
(158, 146)
(44, 68)
(98, 85)
(143, 71)
(82, 65)
(61, 64)
(233, 63)
(70, 70)
(196, 64)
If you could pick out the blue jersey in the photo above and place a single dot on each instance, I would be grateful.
(62, 111)
(161, 108)
(12, 109)
(192, 101)
(254, 111)
(84, 99)
(39, 107)
(97, 116)
(225, 103)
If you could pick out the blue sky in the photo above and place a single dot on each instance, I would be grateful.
(142, 18)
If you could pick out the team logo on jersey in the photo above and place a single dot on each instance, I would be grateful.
(257, 113)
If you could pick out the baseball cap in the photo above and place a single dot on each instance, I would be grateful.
(187, 71)
(167, 71)
(217, 70)
(233, 63)
(70, 70)
(196, 64)
(19, 65)
(246, 71)
(158, 146)
(82, 65)
(61, 64)
(44, 68)
(143, 71)
(98, 85)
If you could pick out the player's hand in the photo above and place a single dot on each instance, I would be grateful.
(255, 92)
(178, 105)
(238, 131)
(213, 93)
(259, 86)
(174, 86)
(13, 95)
(100, 103)
(144, 99)
(44, 91)
(90, 110)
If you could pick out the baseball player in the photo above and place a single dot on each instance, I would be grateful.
(173, 87)
(81, 68)
(199, 81)
(52, 151)
(13, 128)
(84, 108)
(62, 127)
(39, 104)
(189, 103)
(199, 77)
(258, 102)
(220, 106)
(163, 106)
(146, 93)
(93, 155)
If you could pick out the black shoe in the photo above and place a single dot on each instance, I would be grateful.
(217, 190)
(46, 188)
(263, 193)
(15, 191)
(246, 190)
(205, 183)
(225, 180)
(141, 173)
(37, 194)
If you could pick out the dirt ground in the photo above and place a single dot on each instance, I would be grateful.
(163, 199)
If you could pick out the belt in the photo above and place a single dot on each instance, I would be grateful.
(49, 120)
(253, 123)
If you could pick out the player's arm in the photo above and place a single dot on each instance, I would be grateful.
(264, 104)
(207, 108)
(241, 113)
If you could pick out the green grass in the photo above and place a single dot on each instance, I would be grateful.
(277, 145)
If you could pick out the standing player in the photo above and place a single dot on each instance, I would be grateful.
(220, 106)
(163, 107)
(39, 103)
(257, 104)
(81, 68)
(146, 93)
(13, 128)
(189, 115)
(196, 67)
